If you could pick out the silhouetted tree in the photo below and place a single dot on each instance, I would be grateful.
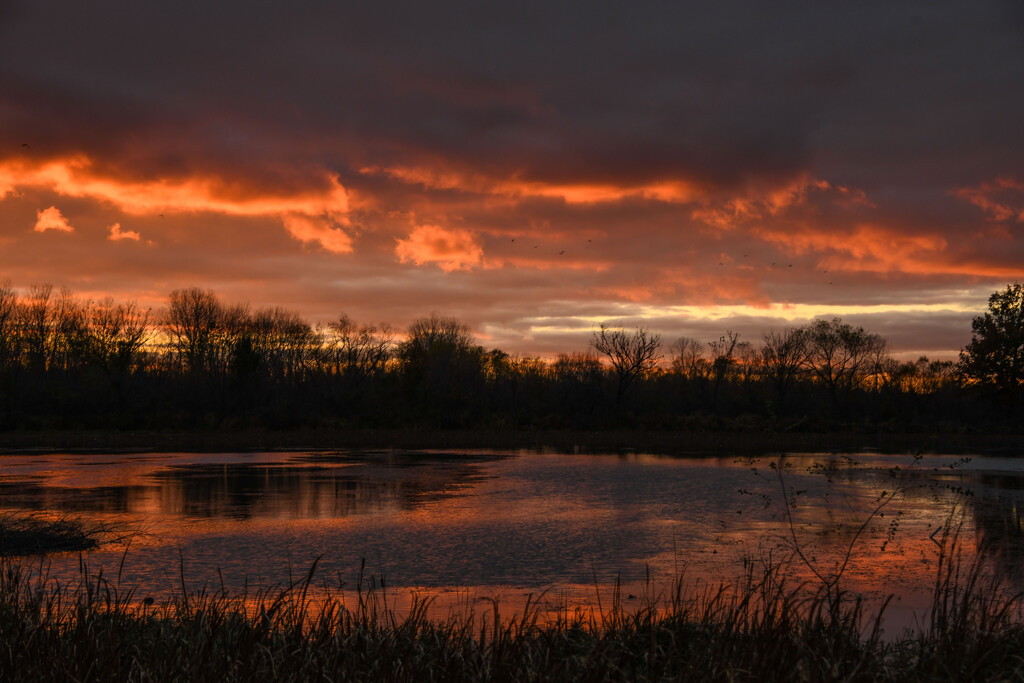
(783, 355)
(232, 330)
(577, 367)
(9, 351)
(70, 340)
(632, 354)
(192, 321)
(283, 342)
(577, 387)
(995, 356)
(723, 352)
(435, 333)
(117, 333)
(841, 355)
(442, 367)
(748, 363)
(70, 363)
(357, 351)
(36, 325)
(688, 358)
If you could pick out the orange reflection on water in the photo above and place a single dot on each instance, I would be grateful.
(465, 529)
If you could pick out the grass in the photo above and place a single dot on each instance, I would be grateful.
(36, 534)
(763, 630)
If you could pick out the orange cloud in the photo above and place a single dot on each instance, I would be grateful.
(695, 286)
(76, 177)
(318, 230)
(117, 234)
(52, 219)
(449, 248)
(672, 191)
(676, 192)
(549, 263)
(758, 203)
(865, 248)
(1002, 199)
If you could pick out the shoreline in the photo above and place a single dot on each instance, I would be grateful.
(710, 443)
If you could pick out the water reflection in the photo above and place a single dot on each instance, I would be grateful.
(308, 486)
(523, 522)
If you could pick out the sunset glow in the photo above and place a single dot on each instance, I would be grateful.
(672, 168)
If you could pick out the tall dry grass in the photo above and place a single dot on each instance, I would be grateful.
(762, 629)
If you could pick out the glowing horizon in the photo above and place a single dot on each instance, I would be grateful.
(530, 172)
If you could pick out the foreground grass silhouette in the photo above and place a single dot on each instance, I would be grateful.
(760, 630)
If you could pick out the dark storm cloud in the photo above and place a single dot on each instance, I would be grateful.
(716, 92)
(531, 167)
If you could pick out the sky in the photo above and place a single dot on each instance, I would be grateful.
(532, 168)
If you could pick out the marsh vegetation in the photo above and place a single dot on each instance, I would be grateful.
(29, 534)
(762, 629)
(797, 607)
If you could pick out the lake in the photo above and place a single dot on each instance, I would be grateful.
(463, 525)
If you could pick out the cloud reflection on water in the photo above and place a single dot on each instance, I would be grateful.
(526, 522)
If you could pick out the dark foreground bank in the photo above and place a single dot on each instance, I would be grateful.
(761, 631)
(724, 442)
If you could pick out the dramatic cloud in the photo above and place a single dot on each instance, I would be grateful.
(320, 231)
(307, 214)
(584, 193)
(52, 219)
(449, 249)
(1002, 200)
(520, 164)
(117, 234)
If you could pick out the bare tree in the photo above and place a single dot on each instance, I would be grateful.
(937, 374)
(632, 354)
(879, 364)
(117, 333)
(442, 366)
(723, 352)
(688, 358)
(748, 361)
(36, 325)
(783, 356)
(8, 325)
(70, 340)
(524, 366)
(194, 317)
(577, 368)
(275, 339)
(841, 355)
(436, 332)
(357, 351)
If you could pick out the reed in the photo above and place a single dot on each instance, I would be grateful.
(92, 629)
(34, 534)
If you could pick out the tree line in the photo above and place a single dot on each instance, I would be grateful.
(67, 362)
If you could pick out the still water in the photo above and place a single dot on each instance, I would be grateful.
(508, 524)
